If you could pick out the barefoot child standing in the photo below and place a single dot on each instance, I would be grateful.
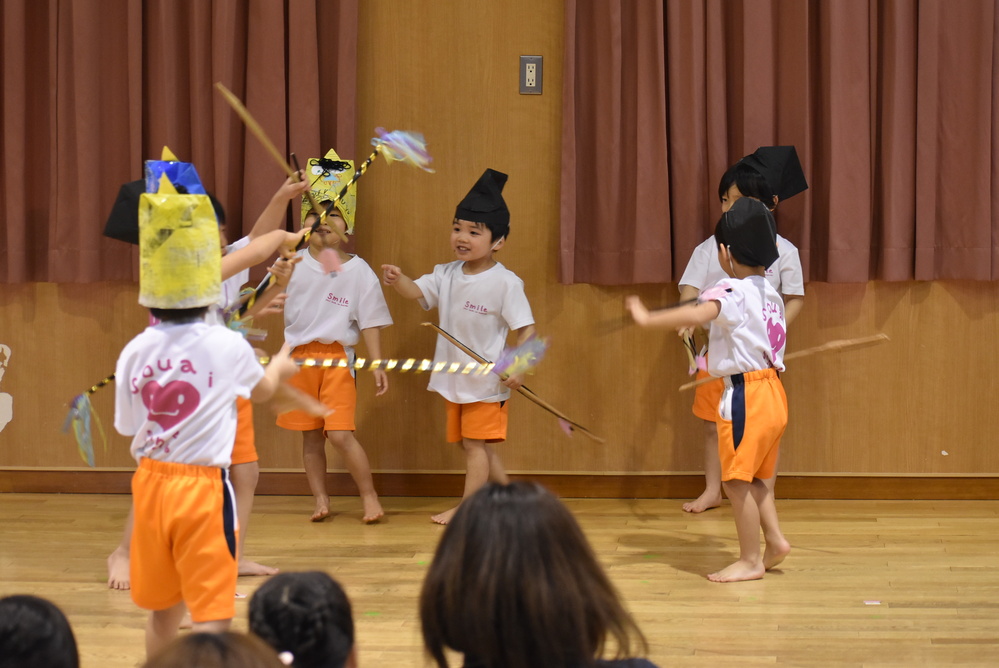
(325, 315)
(747, 340)
(480, 302)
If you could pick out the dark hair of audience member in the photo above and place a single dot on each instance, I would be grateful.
(34, 633)
(307, 614)
(514, 582)
(215, 650)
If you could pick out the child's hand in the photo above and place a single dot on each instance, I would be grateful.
(290, 242)
(381, 382)
(514, 382)
(292, 187)
(684, 332)
(638, 311)
(282, 270)
(286, 367)
(274, 306)
(390, 274)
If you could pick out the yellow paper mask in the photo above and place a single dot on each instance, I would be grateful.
(180, 263)
(326, 177)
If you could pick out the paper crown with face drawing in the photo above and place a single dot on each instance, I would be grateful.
(326, 176)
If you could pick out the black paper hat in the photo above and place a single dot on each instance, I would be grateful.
(484, 202)
(780, 167)
(123, 222)
(749, 232)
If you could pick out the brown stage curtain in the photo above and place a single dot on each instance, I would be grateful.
(892, 105)
(91, 88)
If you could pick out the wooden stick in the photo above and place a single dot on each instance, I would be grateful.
(523, 389)
(830, 346)
(258, 132)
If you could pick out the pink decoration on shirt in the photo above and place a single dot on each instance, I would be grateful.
(777, 335)
(715, 292)
(330, 261)
(170, 403)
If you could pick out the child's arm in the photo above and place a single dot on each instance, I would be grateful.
(273, 215)
(687, 293)
(373, 342)
(259, 250)
(523, 334)
(403, 284)
(792, 307)
(273, 298)
(688, 315)
(281, 368)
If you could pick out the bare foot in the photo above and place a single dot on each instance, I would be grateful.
(322, 510)
(706, 501)
(445, 517)
(738, 572)
(372, 509)
(775, 553)
(247, 567)
(118, 575)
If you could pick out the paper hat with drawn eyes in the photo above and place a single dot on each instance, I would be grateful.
(180, 262)
(326, 177)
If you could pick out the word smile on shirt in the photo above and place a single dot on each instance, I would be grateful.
(339, 301)
(475, 308)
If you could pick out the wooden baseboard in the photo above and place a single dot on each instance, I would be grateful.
(565, 485)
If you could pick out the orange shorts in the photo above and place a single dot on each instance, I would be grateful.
(336, 388)
(707, 397)
(184, 542)
(751, 421)
(244, 449)
(478, 421)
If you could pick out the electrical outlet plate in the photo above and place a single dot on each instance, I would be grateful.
(531, 75)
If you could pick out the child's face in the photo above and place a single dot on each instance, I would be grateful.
(728, 199)
(472, 241)
(324, 237)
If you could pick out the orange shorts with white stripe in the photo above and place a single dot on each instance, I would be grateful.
(244, 449)
(184, 542)
(707, 396)
(477, 421)
(335, 388)
(752, 418)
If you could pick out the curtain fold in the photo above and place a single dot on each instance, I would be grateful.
(892, 105)
(91, 88)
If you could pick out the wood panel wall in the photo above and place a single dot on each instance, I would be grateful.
(920, 405)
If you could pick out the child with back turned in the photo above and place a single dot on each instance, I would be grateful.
(746, 340)
(177, 384)
(480, 301)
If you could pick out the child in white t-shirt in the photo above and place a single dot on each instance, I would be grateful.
(326, 314)
(480, 301)
(747, 338)
(771, 174)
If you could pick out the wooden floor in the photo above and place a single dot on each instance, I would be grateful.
(869, 583)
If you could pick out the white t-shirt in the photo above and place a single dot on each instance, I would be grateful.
(785, 274)
(479, 310)
(333, 307)
(231, 288)
(749, 333)
(176, 389)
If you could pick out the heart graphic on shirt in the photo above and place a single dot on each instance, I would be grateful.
(777, 336)
(170, 403)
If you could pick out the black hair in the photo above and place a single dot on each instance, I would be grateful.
(514, 582)
(179, 315)
(749, 181)
(498, 230)
(307, 614)
(34, 633)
